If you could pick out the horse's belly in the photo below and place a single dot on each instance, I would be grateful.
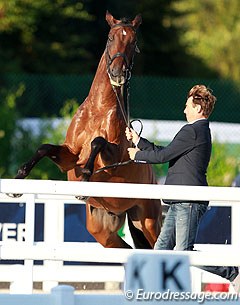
(113, 205)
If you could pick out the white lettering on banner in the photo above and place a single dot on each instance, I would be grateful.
(156, 272)
(13, 231)
(21, 232)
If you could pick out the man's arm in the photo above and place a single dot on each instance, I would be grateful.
(183, 142)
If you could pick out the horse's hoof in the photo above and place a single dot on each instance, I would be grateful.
(14, 195)
(20, 175)
(86, 171)
(22, 172)
(86, 174)
(82, 198)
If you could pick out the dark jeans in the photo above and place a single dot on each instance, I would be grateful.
(180, 230)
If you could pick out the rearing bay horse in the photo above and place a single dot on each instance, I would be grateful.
(96, 139)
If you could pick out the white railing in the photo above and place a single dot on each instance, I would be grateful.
(120, 190)
(54, 251)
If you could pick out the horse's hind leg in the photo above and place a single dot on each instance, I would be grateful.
(59, 154)
(104, 226)
(147, 217)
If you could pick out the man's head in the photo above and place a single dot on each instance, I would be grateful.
(200, 103)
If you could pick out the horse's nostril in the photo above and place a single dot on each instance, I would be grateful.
(116, 72)
(113, 72)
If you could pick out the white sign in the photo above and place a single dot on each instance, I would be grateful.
(157, 273)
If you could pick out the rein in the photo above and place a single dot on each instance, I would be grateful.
(114, 165)
(129, 66)
(114, 84)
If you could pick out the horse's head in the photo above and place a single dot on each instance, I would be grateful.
(121, 47)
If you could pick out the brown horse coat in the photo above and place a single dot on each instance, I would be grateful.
(96, 138)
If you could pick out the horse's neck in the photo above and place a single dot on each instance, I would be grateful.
(101, 90)
(101, 75)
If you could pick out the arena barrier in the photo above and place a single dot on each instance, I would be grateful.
(53, 251)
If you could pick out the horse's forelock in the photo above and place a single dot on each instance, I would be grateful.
(125, 20)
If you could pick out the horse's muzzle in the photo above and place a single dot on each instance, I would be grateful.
(117, 81)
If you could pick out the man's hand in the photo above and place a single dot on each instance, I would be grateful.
(131, 135)
(132, 152)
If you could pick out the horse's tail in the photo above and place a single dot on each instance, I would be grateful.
(138, 237)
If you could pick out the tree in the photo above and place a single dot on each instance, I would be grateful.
(69, 36)
(44, 36)
(30, 135)
(223, 166)
(210, 30)
(8, 127)
(159, 41)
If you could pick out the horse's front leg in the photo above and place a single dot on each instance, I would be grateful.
(59, 154)
(99, 145)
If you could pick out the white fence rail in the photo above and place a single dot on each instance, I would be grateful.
(54, 251)
(120, 190)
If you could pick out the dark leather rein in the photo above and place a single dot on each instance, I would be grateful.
(114, 165)
(129, 65)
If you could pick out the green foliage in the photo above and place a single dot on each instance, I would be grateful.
(8, 100)
(24, 140)
(43, 35)
(69, 108)
(161, 51)
(29, 137)
(224, 165)
(187, 38)
(69, 36)
(210, 30)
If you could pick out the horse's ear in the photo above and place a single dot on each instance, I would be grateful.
(110, 19)
(137, 21)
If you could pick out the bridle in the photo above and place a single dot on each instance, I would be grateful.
(129, 65)
(127, 72)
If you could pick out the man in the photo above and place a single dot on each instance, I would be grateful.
(188, 155)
